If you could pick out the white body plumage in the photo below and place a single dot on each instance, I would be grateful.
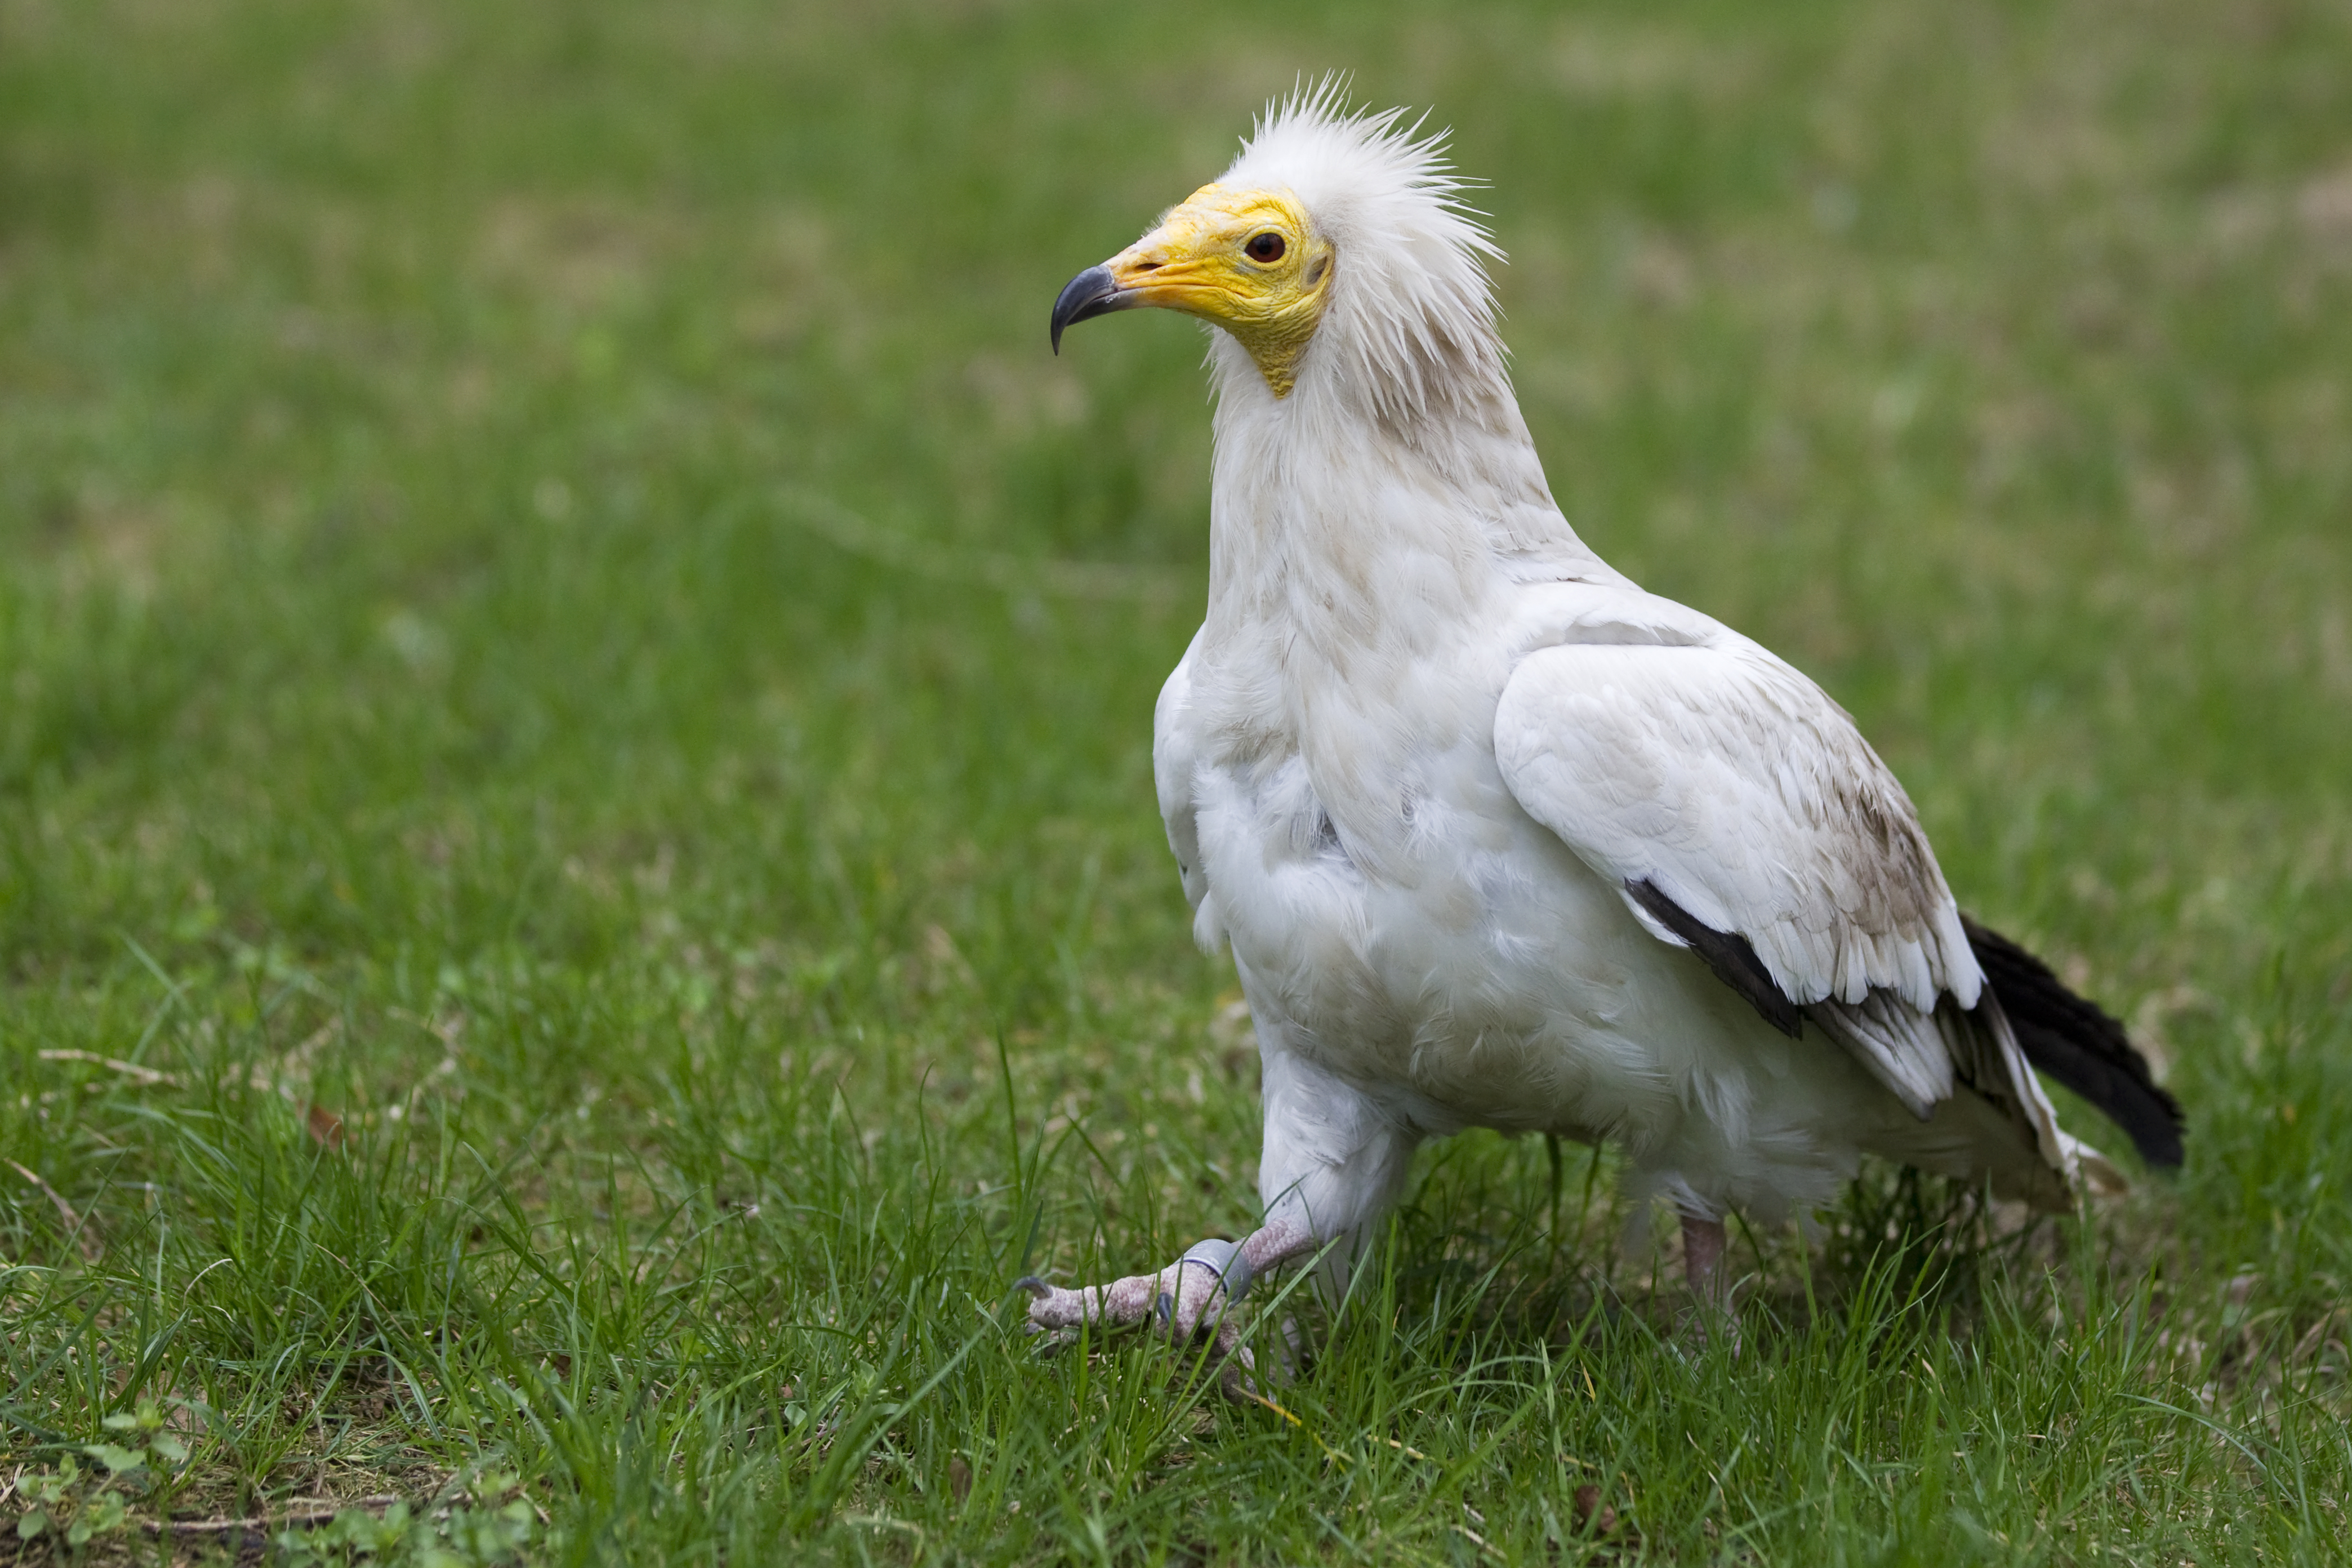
(1497, 839)
(1423, 737)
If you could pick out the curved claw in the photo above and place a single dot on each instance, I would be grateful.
(1035, 1286)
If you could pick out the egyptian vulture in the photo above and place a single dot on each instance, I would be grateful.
(1499, 839)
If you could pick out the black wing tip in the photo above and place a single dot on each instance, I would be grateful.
(2081, 1045)
(1730, 955)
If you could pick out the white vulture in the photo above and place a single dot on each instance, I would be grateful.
(1499, 839)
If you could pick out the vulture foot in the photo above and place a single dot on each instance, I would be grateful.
(1191, 1295)
(1192, 1298)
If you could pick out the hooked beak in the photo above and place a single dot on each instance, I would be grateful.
(1094, 292)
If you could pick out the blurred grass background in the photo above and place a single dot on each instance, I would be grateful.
(634, 921)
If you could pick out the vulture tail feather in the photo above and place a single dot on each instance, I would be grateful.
(2078, 1043)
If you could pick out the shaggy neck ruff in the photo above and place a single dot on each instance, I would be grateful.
(1395, 486)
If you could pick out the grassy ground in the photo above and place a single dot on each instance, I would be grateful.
(578, 889)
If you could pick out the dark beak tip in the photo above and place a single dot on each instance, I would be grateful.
(1091, 293)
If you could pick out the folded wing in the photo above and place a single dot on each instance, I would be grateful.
(1733, 786)
(1740, 814)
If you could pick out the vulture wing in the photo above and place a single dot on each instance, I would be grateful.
(1741, 815)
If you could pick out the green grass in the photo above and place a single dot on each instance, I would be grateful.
(464, 670)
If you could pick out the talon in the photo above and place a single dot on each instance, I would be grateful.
(1035, 1286)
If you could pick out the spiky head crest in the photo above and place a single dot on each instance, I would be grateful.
(1411, 324)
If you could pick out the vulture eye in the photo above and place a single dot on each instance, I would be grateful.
(1265, 248)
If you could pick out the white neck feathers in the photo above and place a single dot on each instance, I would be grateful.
(1398, 463)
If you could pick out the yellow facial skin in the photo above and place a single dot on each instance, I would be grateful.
(1244, 259)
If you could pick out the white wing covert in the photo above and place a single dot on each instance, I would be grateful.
(1738, 811)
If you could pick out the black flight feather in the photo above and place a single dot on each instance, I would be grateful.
(1731, 955)
(2068, 1036)
(2076, 1043)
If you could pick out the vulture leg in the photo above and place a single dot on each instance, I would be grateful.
(1332, 1160)
(1704, 1271)
(1702, 1243)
